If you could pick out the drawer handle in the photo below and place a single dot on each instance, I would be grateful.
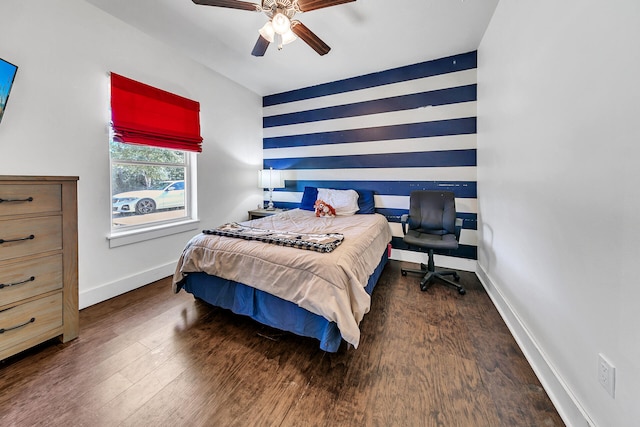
(28, 199)
(3, 330)
(6, 285)
(31, 237)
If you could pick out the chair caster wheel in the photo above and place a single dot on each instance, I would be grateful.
(456, 277)
(423, 288)
(461, 291)
(404, 273)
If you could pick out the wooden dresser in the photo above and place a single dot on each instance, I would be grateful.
(38, 261)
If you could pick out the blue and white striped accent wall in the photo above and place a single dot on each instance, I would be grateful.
(393, 132)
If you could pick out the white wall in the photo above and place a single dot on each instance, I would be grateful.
(559, 194)
(56, 124)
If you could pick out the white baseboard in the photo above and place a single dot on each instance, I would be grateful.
(568, 407)
(440, 260)
(109, 290)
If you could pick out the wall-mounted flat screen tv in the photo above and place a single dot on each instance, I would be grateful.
(7, 74)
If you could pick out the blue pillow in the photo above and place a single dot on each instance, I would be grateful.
(366, 202)
(309, 198)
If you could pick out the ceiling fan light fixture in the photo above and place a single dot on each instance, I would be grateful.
(267, 32)
(288, 37)
(279, 28)
(281, 23)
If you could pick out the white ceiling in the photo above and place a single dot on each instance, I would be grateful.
(365, 36)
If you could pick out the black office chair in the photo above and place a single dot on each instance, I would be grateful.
(432, 224)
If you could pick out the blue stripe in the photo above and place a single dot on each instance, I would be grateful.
(462, 189)
(470, 220)
(451, 158)
(446, 65)
(397, 103)
(393, 102)
(406, 131)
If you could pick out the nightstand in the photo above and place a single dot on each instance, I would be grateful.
(261, 213)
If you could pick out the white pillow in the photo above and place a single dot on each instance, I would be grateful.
(345, 202)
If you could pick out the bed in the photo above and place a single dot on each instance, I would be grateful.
(311, 293)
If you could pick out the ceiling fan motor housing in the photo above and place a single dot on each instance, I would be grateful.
(286, 7)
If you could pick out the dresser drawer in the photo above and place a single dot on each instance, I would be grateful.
(25, 279)
(20, 237)
(29, 198)
(18, 327)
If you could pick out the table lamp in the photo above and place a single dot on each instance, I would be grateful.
(269, 178)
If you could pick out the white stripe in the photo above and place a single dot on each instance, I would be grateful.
(391, 202)
(439, 260)
(437, 143)
(381, 201)
(467, 236)
(441, 81)
(467, 205)
(396, 229)
(462, 173)
(463, 205)
(284, 196)
(417, 115)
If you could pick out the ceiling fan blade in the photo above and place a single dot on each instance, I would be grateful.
(261, 47)
(231, 4)
(307, 5)
(300, 30)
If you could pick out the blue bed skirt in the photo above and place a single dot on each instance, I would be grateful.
(269, 309)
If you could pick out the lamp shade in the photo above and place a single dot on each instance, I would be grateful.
(289, 37)
(269, 34)
(281, 23)
(269, 178)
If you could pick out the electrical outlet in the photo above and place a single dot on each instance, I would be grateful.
(606, 375)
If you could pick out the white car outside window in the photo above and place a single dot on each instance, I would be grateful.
(164, 195)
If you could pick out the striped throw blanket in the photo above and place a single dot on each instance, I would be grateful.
(309, 241)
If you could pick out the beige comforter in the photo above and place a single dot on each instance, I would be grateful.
(328, 284)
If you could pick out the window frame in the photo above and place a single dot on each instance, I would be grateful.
(157, 229)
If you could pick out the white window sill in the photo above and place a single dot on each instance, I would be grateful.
(141, 235)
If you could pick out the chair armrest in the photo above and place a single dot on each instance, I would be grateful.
(404, 219)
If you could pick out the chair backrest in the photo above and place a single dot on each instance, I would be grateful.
(432, 212)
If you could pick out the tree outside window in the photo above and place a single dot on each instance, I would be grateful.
(148, 185)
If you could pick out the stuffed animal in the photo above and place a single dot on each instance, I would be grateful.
(323, 208)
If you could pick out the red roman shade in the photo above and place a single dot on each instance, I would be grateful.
(143, 114)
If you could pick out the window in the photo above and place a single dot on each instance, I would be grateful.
(152, 146)
(148, 185)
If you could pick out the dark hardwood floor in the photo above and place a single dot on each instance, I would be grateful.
(154, 358)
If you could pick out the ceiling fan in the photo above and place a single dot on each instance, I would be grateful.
(281, 28)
